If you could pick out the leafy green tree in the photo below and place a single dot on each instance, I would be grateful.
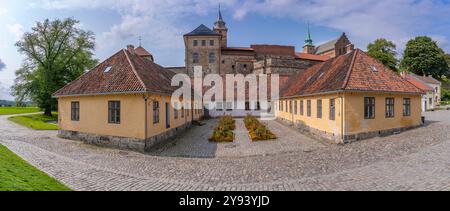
(448, 63)
(385, 51)
(424, 57)
(56, 52)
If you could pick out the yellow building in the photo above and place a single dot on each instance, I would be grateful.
(124, 102)
(349, 98)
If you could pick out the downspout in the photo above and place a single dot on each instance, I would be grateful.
(146, 117)
(342, 118)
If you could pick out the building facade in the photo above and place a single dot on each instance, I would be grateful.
(124, 102)
(432, 88)
(348, 98)
(209, 48)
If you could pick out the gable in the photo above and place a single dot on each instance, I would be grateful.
(120, 78)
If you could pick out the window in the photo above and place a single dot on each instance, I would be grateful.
(247, 106)
(195, 42)
(390, 107)
(155, 112)
(369, 108)
(203, 42)
(229, 106)
(182, 112)
(195, 58)
(308, 108)
(301, 108)
(258, 106)
(219, 106)
(107, 69)
(212, 57)
(75, 111)
(407, 107)
(287, 106)
(319, 109)
(374, 69)
(332, 109)
(290, 107)
(296, 107)
(211, 42)
(114, 112)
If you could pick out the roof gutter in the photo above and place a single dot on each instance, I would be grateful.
(113, 93)
(347, 91)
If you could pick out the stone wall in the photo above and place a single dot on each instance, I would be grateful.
(123, 142)
(282, 66)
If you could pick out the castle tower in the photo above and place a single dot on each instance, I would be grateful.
(221, 28)
(309, 47)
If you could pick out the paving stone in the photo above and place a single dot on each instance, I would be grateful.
(413, 160)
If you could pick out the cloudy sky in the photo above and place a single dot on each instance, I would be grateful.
(162, 23)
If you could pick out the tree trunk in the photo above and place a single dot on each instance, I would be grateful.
(48, 111)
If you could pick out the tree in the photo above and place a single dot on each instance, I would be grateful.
(384, 51)
(56, 52)
(424, 57)
(448, 63)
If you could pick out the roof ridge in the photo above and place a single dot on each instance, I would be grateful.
(134, 70)
(352, 64)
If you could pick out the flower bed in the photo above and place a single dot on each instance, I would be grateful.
(224, 130)
(257, 130)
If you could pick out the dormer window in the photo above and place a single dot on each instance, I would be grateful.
(374, 69)
(107, 69)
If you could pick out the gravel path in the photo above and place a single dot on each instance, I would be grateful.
(414, 160)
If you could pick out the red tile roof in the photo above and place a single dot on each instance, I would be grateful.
(426, 79)
(313, 57)
(128, 73)
(140, 51)
(351, 72)
(419, 84)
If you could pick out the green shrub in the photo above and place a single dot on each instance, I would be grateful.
(223, 132)
(257, 130)
(445, 94)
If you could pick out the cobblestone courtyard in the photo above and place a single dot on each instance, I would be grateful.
(414, 160)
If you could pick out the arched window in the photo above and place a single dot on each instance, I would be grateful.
(212, 57)
(195, 58)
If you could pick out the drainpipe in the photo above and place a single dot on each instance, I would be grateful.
(146, 117)
(342, 118)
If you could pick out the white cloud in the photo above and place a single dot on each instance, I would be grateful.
(16, 30)
(364, 20)
(162, 22)
(5, 92)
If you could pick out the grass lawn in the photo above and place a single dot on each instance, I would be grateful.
(18, 110)
(37, 121)
(17, 175)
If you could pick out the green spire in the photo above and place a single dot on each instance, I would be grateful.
(309, 41)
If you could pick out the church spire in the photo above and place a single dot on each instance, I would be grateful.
(220, 23)
(309, 41)
(220, 13)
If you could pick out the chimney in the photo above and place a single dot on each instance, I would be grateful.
(130, 48)
(403, 74)
(349, 48)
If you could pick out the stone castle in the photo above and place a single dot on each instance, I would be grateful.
(209, 48)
